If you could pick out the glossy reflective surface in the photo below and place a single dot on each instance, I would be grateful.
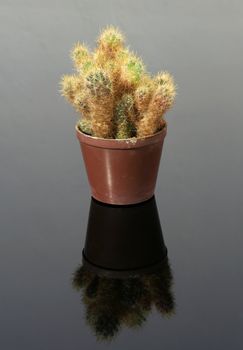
(45, 197)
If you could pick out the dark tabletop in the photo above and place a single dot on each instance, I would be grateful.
(45, 197)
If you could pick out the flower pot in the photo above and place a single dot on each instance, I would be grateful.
(122, 171)
(124, 240)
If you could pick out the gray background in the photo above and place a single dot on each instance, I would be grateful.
(44, 189)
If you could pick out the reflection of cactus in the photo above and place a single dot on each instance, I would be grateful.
(104, 80)
(103, 321)
(159, 285)
(112, 303)
(81, 278)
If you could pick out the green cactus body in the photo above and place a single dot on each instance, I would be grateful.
(132, 72)
(142, 97)
(166, 90)
(82, 58)
(135, 70)
(124, 126)
(81, 103)
(98, 83)
(85, 125)
(70, 84)
(110, 42)
(101, 103)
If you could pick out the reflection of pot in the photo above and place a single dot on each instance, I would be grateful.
(123, 239)
(122, 171)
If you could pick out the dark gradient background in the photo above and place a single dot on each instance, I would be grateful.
(44, 190)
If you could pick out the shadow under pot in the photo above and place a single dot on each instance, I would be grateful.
(123, 240)
(122, 171)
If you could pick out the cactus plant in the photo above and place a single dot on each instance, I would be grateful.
(112, 91)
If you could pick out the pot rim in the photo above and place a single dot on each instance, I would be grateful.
(133, 142)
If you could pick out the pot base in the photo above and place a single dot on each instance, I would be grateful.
(101, 271)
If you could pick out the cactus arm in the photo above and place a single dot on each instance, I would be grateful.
(82, 58)
(70, 85)
(85, 126)
(123, 117)
(100, 91)
(132, 72)
(162, 99)
(109, 43)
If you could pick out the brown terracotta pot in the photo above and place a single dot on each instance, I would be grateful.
(122, 171)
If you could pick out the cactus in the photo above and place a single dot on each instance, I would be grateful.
(101, 102)
(80, 103)
(98, 83)
(109, 43)
(161, 100)
(124, 123)
(166, 88)
(70, 84)
(142, 97)
(106, 80)
(132, 72)
(150, 122)
(82, 58)
(85, 125)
